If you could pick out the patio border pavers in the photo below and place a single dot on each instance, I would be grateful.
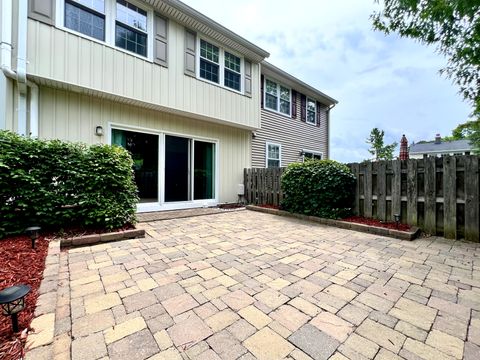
(101, 238)
(397, 234)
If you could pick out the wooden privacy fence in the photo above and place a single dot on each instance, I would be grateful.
(262, 186)
(438, 194)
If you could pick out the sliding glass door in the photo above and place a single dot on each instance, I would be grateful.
(144, 150)
(170, 170)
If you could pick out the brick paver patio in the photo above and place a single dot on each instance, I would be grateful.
(246, 285)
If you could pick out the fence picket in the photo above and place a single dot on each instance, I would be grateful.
(449, 198)
(471, 199)
(381, 191)
(430, 205)
(412, 214)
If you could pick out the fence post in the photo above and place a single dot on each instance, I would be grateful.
(356, 204)
(367, 202)
(381, 191)
(430, 205)
(449, 197)
(412, 215)
(471, 199)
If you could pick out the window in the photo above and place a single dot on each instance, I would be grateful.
(277, 97)
(209, 61)
(86, 17)
(232, 71)
(131, 28)
(311, 155)
(220, 66)
(311, 111)
(273, 155)
(117, 23)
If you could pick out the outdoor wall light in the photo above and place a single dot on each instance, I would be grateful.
(99, 130)
(33, 232)
(397, 219)
(12, 300)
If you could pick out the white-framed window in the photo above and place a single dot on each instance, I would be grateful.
(126, 25)
(311, 111)
(311, 155)
(277, 97)
(273, 155)
(220, 66)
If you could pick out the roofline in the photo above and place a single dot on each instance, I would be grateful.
(302, 84)
(187, 10)
(438, 151)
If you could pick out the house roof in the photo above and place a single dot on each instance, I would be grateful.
(442, 147)
(271, 70)
(194, 20)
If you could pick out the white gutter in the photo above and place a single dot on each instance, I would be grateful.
(20, 75)
(22, 66)
(5, 55)
(33, 109)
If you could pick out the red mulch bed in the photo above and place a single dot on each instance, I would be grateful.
(20, 264)
(374, 222)
(276, 207)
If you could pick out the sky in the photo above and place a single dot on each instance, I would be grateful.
(379, 81)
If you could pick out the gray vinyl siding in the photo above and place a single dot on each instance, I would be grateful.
(293, 135)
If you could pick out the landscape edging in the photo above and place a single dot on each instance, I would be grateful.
(397, 234)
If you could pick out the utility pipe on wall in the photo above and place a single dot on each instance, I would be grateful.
(22, 66)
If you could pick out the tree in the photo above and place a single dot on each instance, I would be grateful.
(453, 26)
(378, 147)
(469, 130)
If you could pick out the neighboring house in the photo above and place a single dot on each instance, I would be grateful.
(178, 90)
(439, 148)
(295, 121)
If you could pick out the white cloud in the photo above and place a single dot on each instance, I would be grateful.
(379, 81)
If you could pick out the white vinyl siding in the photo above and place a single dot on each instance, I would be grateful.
(70, 116)
(90, 64)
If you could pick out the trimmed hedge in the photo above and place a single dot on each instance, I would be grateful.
(59, 185)
(323, 188)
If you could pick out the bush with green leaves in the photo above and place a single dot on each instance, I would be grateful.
(323, 188)
(58, 185)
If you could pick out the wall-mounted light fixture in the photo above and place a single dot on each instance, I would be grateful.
(99, 130)
(254, 134)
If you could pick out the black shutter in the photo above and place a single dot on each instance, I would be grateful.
(190, 49)
(247, 87)
(319, 113)
(303, 110)
(262, 78)
(294, 104)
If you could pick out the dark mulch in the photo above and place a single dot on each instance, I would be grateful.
(20, 264)
(374, 222)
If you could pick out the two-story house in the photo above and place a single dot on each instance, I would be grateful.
(178, 90)
(295, 120)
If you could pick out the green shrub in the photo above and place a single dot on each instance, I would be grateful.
(58, 185)
(323, 188)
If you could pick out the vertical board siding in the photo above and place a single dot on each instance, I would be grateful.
(89, 64)
(73, 117)
(441, 195)
(292, 134)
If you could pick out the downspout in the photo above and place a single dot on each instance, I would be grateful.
(5, 55)
(328, 129)
(33, 109)
(20, 75)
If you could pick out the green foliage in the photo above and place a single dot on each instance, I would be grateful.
(453, 26)
(322, 188)
(469, 130)
(378, 147)
(57, 184)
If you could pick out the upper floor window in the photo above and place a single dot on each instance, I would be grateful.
(220, 66)
(86, 17)
(131, 28)
(116, 22)
(311, 111)
(209, 61)
(277, 97)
